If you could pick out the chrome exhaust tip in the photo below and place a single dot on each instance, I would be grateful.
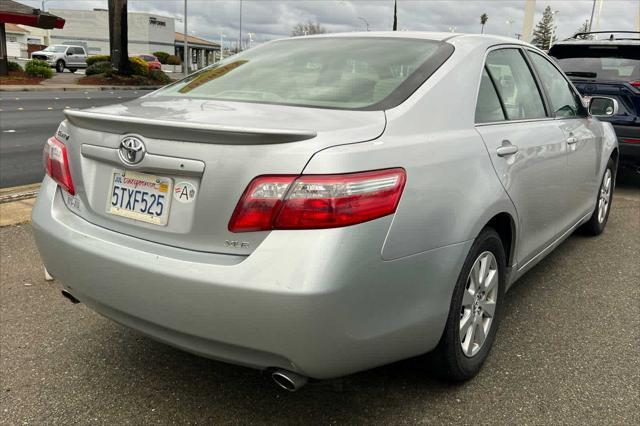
(288, 380)
(70, 297)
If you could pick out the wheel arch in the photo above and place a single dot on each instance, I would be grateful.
(504, 224)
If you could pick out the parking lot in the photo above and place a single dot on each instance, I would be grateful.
(567, 353)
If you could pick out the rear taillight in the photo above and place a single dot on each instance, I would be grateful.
(631, 140)
(56, 164)
(635, 83)
(317, 201)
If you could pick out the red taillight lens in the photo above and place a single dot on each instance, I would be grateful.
(56, 164)
(635, 83)
(631, 140)
(317, 201)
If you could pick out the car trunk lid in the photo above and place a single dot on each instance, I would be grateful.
(210, 148)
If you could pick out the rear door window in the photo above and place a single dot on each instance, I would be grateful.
(488, 108)
(564, 100)
(515, 83)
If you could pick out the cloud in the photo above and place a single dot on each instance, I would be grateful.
(269, 19)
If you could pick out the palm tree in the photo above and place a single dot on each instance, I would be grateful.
(483, 20)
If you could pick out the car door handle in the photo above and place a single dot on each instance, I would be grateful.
(507, 148)
(571, 140)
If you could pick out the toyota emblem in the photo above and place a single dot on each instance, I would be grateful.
(132, 150)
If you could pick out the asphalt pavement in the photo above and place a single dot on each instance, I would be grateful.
(567, 352)
(27, 119)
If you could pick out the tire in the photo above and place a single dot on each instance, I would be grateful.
(60, 66)
(73, 69)
(456, 359)
(599, 218)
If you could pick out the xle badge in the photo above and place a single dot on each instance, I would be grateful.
(184, 192)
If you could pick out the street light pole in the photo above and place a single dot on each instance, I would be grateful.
(221, 50)
(187, 59)
(553, 28)
(240, 34)
(365, 22)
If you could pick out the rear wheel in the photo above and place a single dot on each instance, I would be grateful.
(474, 312)
(600, 215)
(60, 66)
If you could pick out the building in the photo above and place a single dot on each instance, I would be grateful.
(16, 41)
(148, 33)
(203, 52)
(13, 13)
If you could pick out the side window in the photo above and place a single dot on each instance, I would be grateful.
(488, 108)
(516, 85)
(564, 101)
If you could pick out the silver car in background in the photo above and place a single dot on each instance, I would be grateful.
(323, 205)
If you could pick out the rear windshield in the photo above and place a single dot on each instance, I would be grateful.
(345, 73)
(598, 62)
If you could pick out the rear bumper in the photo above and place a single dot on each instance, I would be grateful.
(629, 151)
(322, 303)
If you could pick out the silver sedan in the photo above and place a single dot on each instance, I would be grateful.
(322, 205)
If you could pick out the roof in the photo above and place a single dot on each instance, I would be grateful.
(13, 28)
(196, 40)
(12, 12)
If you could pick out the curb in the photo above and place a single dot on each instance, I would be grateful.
(17, 193)
(16, 204)
(36, 88)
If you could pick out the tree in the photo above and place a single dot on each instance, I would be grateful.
(118, 38)
(483, 20)
(307, 29)
(544, 30)
(584, 28)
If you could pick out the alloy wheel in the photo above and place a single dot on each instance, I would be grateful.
(605, 196)
(479, 303)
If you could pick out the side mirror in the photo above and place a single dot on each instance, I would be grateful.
(603, 107)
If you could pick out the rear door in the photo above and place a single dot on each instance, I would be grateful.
(527, 148)
(583, 138)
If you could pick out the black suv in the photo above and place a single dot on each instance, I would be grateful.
(608, 67)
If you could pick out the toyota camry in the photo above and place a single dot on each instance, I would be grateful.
(321, 205)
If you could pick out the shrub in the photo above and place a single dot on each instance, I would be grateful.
(159, 76)
(139, 66)
(103, 67)
(173, 60)
(98, 58)
(162, 56)
(38, 68)
(15, 67)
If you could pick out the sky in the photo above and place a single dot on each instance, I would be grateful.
(270, 19)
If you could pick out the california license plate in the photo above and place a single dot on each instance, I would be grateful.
(140, 196)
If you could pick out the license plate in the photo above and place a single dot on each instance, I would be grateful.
(140, 196)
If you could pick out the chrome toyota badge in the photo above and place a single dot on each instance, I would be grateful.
(132, 150)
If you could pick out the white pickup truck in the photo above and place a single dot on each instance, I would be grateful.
(61, 56)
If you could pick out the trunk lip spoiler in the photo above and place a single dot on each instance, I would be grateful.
(288, 134)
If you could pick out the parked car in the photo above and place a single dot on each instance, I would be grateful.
(61, 56)
(322, 205)
(608, 67)
(152, 61)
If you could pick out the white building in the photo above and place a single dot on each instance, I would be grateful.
(148, 33)
(16, 41)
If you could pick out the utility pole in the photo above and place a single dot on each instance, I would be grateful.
(553, 27)
(187, 58)
(118, 37)
(240, 35)
(395, 15)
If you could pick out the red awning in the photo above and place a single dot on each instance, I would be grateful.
(12, 12)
